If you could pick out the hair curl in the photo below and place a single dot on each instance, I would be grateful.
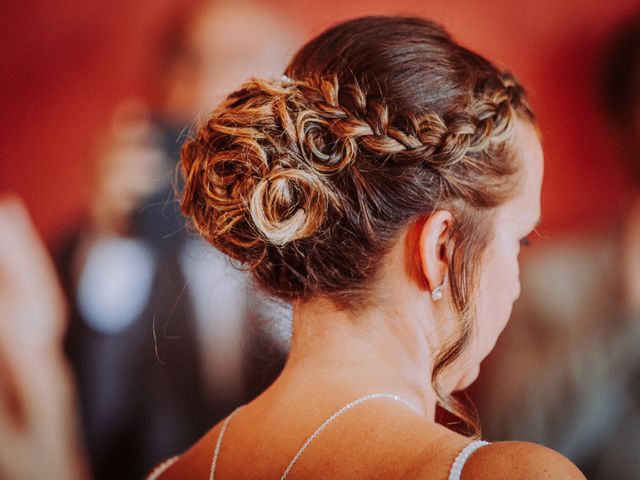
(309, 180)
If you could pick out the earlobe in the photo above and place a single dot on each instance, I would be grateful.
(432, 250)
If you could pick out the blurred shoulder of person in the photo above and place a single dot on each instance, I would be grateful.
(38, 424)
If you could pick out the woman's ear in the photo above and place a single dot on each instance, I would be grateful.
(432, 247)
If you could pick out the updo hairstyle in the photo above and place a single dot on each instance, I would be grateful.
(310, 178)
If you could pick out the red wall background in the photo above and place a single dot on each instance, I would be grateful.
(66, 63)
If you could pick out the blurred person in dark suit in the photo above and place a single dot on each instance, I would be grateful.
(131, 342)
(166, 336)
(577, 324)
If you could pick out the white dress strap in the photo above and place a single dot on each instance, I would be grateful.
(163, 467)
(463, 456)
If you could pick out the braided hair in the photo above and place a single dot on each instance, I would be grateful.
(308, 179)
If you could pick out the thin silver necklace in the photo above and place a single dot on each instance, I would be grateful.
(313, 436)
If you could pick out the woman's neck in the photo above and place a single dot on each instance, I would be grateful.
(377, 350)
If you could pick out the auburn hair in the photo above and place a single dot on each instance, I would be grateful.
(310, 178)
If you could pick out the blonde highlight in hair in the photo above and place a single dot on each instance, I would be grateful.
(310, 179)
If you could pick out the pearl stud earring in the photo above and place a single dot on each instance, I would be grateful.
(437, 294)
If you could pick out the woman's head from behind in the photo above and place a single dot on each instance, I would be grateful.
(382, 130)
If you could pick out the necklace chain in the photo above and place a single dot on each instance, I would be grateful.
(216, 454)
(313, 436)
(348, 406)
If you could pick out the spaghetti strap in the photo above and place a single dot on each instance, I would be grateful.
(463, 456)
(216, 453)
(163, 467)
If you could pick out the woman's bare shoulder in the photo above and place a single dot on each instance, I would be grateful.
(519, 460)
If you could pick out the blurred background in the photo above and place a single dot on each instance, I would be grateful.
(165, 338)
(69, 64)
